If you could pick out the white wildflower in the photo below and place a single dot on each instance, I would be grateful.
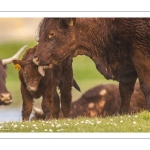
(58, 125)
(76, 123)
(60, 130)
(50, 130)
(134, 122)
(66, 124)
(15, 126)
(98, 122)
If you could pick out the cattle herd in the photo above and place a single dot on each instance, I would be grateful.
(120, 49)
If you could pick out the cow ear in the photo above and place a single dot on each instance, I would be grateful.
(17, 64)
(69, 21)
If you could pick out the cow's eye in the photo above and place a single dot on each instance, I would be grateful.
(51, 35)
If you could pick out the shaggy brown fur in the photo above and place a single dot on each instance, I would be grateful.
(100, 101)
(33, 85)
(119, 47)
(5, 96)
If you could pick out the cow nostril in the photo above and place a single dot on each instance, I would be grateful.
(31, 88)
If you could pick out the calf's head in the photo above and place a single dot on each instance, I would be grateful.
(54, 37)
(29, 72)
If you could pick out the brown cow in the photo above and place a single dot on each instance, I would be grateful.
(120, 48)
(100, 101)
(5, 96)
(33, 85)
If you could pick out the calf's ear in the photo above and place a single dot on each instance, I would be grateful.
(69, 21)
(17, 64)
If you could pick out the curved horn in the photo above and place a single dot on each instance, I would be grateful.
(9, 60)
(37, 110)
(48, 67)
(41, 70)
(37, 30)
(36, 60)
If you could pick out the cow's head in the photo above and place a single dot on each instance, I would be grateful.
(5, 96)
(57, 41)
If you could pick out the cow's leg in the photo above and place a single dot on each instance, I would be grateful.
(27, 104)
(141, 62)
(56, 111)
(48, 105)
(49, 98)
(66, 98)
(126, 88)
(66, 88)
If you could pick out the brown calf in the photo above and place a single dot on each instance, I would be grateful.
(34, 85)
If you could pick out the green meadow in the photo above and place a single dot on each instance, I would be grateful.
(138, 122)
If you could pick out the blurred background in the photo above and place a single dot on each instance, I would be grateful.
(17, 32)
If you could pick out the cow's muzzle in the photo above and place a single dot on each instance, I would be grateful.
(32, 88)
(5, 98)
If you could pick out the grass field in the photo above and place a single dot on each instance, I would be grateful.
(138, 122)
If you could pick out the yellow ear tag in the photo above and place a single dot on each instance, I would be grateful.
(17, 66)
(71, 23)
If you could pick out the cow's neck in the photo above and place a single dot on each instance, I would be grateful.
(93, 47)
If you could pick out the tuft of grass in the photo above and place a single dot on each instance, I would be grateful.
(111, 124)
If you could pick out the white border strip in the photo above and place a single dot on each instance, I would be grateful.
(75, 135)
